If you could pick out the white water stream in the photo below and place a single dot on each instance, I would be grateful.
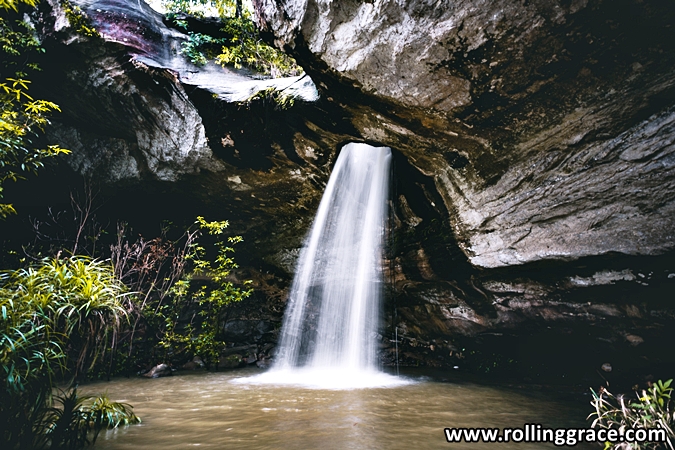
(329, 335)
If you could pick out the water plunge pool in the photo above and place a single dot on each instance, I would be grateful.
(208, 410)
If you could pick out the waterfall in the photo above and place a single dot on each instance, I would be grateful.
(333, 310)
(329, 334)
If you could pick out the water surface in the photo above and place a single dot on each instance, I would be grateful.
(207, 410)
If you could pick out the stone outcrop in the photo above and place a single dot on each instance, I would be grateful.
(160, 370)
(126, 118)
(545, 125)
(545, 133)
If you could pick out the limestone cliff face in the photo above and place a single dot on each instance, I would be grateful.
(124, 117)
(546, 126)
(544, 132)
(534, 151)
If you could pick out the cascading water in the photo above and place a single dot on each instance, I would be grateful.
(329, 334)
(335, 298)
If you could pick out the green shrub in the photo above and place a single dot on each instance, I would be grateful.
(248, 49)
(652, 409)
(185, 286)
(200, 48)
(73, 421)
(57, 318)
(243, 46)
(205, 287)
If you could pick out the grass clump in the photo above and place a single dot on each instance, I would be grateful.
(57, 318)
(652, 408)
(74, 421)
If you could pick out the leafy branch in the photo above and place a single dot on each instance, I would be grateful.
(208, 286)
(22, 118)
(240, 44)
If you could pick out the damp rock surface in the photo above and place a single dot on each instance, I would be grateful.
(546, 126)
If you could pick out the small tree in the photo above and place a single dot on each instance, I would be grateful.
(205, 286)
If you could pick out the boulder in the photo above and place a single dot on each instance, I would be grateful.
(160, 370)
(195, 364)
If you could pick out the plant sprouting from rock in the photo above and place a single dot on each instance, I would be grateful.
(78, 20)
(239, 45)
(248, 49)
(277, 97)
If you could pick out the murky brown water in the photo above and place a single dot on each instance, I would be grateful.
(207, 411)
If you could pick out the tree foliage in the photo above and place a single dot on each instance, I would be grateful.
(14, 4)
(242, 46)
(22, 118)
(199, 8)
